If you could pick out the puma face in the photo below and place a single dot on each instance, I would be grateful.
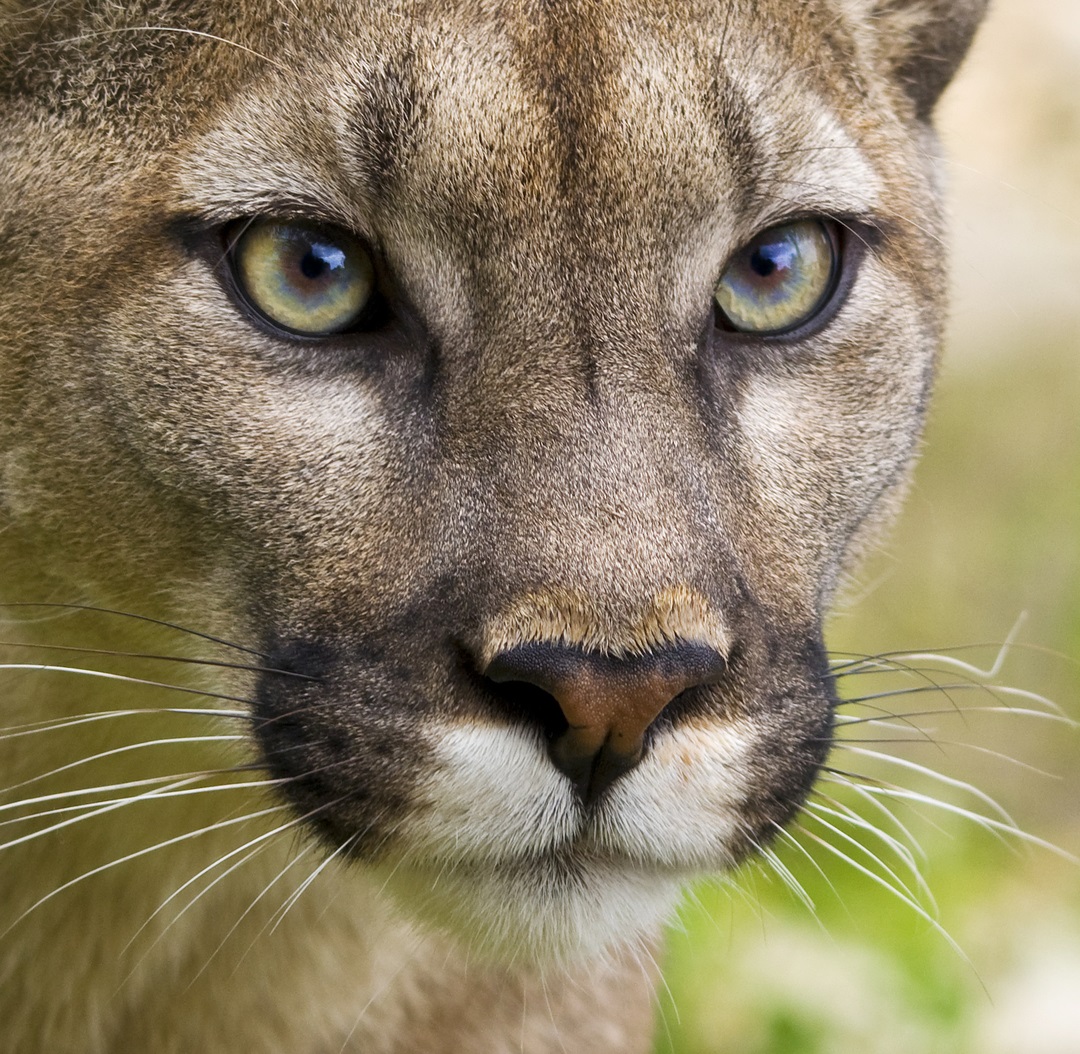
(517, 382)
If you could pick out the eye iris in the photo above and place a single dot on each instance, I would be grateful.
(780, 279)
(303, 277)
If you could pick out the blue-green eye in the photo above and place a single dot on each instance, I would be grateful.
(307, 278)
(781, 279)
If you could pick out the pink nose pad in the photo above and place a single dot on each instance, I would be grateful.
(608, 702)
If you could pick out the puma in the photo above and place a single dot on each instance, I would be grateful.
(431, 434)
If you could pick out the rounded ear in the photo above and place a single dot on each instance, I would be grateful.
(926, 41)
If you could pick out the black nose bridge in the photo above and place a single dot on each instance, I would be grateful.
(609, 702)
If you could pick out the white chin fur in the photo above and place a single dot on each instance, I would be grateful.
(499, 851)
(543, 912)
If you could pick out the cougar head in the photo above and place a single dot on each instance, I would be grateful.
(519, 382)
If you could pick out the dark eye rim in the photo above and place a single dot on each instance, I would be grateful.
(849, 241)
(375, 315)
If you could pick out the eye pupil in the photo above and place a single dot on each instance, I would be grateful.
(312, 265)
(320, 258)
(768, 259)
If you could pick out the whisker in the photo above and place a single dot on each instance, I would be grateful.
(842, 743)
(814, 810)
(138, 618)
(122, 786)
(794, 842)
(182, 30)
(176, 840)
(948, 655)
(97, 809)
(124, 678)
(880, 807)
(259, 842)
(299, 891)
(1001, 828)
(58, 723)
(787, 877)
(913, 904)
(247, 911)
(939, 777)
(994, 690)
(126, 748)
(845, 814)
(846, 720)
(265, 890)
(105, 788)
(189, 660)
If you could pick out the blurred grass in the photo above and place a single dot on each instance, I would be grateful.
(991, 533)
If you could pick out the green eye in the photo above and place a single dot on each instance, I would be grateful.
(304, 277)
(781, 279)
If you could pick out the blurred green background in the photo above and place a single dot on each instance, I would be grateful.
(990, 537)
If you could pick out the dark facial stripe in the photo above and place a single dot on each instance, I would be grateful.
(385, 119)
(563, 57)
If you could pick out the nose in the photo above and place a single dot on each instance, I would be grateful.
(608, 702)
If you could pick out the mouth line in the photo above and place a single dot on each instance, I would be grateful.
(577, 854)
(564, 866)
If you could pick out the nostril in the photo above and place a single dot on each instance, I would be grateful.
(605, 704)
(530, 701)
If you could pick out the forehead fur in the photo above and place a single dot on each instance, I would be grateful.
(453, 123)
(453, 132)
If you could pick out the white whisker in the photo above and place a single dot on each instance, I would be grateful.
(284, 870)
(89, 809)
(259, 842)
(814, 810)
(123, 678)
(904, 898)
(127, 748)
(878, 806)
(58, 723)
(933, 774)
(844, 814)
(1003, 829)
(104, 788)
(299, 891)
(187, 836)
(182, 30)
(96, 809)
(788, 878)
(794, 842)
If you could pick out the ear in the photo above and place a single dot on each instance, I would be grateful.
(925, 41)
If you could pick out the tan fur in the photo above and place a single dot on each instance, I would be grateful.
(551, 444)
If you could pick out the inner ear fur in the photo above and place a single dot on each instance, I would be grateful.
(925, 41)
